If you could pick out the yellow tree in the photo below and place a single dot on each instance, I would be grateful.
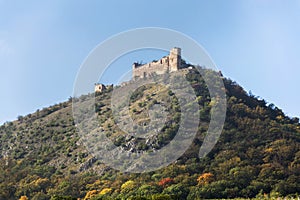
(106, 191)
(23, 198)
(205, 178)
(128, 186)
(90, 194)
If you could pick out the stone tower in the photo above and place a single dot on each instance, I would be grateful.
(99, 87)
(175, 59)
(167, 64)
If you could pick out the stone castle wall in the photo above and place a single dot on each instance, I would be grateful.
(167, 64)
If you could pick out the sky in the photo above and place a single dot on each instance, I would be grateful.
(43, 44)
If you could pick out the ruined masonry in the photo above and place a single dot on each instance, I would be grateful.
(99, 87)
(167, 64)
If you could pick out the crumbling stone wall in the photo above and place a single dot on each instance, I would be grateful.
(166, 64)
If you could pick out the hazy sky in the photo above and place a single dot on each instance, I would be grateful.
(43, 43)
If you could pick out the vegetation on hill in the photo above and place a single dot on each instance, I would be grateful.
(257, 155)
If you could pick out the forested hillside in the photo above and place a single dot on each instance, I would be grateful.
(257, 155)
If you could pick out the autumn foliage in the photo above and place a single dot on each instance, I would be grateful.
(166, 181)
(258, 153)
(205, 178)
(90, 194)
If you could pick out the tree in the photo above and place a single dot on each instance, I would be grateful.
(177, 191)
(205, 178)
(161, 197)
(147, 190)
(194, 193)
(63, 198)
(40, 196)
(165, 182)
(105, 191)
(128, 186)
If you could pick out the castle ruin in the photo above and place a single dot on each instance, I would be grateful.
(99, 87)
(167, 64)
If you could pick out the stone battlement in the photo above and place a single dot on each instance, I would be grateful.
(167, 64)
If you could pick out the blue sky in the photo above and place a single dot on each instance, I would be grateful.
(43, 44)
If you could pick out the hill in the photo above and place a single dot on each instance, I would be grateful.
(257, 154)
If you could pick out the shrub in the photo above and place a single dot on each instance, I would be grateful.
(166, 181)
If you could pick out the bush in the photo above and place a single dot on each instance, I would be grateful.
(177, 191)
(161, 197)
(63, 198)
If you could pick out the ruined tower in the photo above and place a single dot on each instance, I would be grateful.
(99, 87)
(167, 64)
(175, 59)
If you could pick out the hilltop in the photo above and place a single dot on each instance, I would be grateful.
(258, 153)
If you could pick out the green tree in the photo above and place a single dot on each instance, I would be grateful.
(177, 191)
